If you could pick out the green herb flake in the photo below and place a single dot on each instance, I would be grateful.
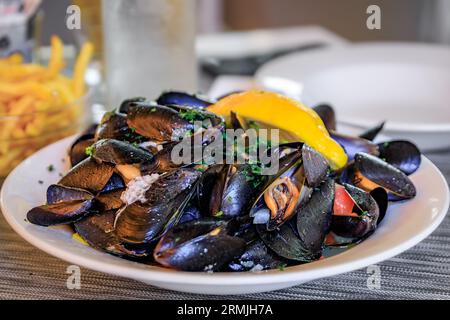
(254, 125)
(229, 199)
(219, 214)
(153, 109)
(90, 150)
(282, 266)
(40, 181)
(51, 168)
(192, 115)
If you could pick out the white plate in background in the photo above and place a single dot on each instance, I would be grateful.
(405, 225)
(406, 84)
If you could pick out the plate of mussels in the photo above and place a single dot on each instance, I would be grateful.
(118, 199)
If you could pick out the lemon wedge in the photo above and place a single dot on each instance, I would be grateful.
(286, 114)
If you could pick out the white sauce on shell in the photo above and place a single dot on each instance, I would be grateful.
(137, 187)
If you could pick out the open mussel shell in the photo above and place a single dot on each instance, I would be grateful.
(201, 245)
(289, 189)
(370, 172)
(58, 193)
(327, 114)
(98, 231)
(314, 218)
(89, 175)
(77, 151)
(64, 205)
(366, 221)
(257, 257)
(403, 155)
(158, 123)
(372, 133)
(178, 98)
(352, 145)
(228, 190)
(165, 200)
(60, 212)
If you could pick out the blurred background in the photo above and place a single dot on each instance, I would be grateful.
(403, 20)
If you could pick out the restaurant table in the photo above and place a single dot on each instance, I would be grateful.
(423, 272)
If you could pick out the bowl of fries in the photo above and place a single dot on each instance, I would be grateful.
(39, 104)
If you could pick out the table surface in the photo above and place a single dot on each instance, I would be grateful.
(423, 272)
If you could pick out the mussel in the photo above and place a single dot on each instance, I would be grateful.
(327, 114)
(178, 98)
(114, 126)
(258, 257)
(371, 133)
(228, 190)
(290, 188)
(127, 159)
(77, 152)
(314, 218)
(89, 175)
(146, 219)
(200, 245)
(98, 231)
(352, 145)
(404, 155)
(127, 103)
(362, 217)
(158, 123)
(64, 205)
(370, 172)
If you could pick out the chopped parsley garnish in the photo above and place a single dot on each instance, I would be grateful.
(282, 266)
(133, 129)
(192, 115)
(40, 181)
(51, 168)
(254, 125)
(90, 150)
(253, 175)
(219, 214)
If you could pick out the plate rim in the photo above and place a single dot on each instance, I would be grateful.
(157, 274)
(393, 126)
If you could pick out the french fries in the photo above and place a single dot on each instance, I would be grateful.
(38, 104)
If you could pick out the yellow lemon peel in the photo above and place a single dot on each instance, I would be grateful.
(286, 114)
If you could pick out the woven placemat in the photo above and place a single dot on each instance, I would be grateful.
(422, 272)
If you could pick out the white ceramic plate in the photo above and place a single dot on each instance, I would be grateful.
(406, 84)
(405, 225)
